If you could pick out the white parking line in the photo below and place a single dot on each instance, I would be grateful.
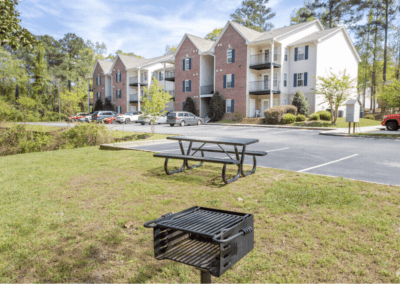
(328, 163)
(276, 150)
(285, 131)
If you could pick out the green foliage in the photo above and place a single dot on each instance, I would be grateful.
(214, 34)
(288, 118)
(40, 76)
(170, 49)
(300, 117)
(300, 102)
(274, 115)
(217, 110)
(108, 105)
(301, 15)
(390, 94)
(370, 116)
(98, 105)
(314, 116)
(85, 134)
(190, 105)
(254, 14)
(324, 115)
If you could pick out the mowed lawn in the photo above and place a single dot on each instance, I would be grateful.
(62, 217)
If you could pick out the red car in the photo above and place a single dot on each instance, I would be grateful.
(392, 122)
(109, 120)
(76, 116)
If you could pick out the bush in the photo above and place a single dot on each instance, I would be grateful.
(274, 115)
(189, 105)
(86, 134)
(98, 105)
(107, 105)
(300, 102)
(324, 115)
(370, 116)
(288, 118)
(314, 116)
(290, 109)
(300, 117)
(216, 108)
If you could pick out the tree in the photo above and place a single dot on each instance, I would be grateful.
(108, 105)
(254, 14)
(301, 15)
(11, 33)
(154, 102)
(40, 76)
(217, 109)
(170, 49)
(129, 53)
(336, 90)
(98, 105)
(390, 94)
(26, 104)
(16, 93)
(214, 34)
(189, 105)
(300, 102)
(390, 14)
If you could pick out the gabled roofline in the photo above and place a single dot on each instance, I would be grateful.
(351, 43)
(315, 40)
(180, 44)
(309, 23)
(115, 60)
(223, 31)
(95, 65)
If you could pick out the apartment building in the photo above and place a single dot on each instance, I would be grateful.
(254, 71)
(101, 76)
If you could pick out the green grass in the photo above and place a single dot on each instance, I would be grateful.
(393, 135)
(227, 121)
(32, 127)
(62, 217)
(340, 123)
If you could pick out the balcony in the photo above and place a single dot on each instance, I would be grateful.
(264, 87)
(172, 93)
(133, 98)
(170, 76)
(206, 90)
(133, 81)
(263, 61)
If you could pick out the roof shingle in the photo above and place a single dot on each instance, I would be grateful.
(105, 65)
(316, 36)
(202, 44)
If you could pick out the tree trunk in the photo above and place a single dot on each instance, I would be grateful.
(386, 32)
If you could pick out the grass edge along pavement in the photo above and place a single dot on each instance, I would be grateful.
(63, 215)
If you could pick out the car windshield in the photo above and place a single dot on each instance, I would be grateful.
(128, 113)
(172, 114)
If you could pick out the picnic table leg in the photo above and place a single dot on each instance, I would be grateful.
(173, 172)
(188, 153)
(232, 179)
(241, 163)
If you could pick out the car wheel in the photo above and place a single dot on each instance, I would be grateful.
(391, 126)
(142, 123)
(199, 122)
(171, 124)
(182, 123)
(127, 121)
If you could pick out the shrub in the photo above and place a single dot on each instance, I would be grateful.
(189, 105)
(370, 116)
(98, 105)
(274, 115)
(216, 108)
(87, 134)
(324, 115)
(290, 109)
(288, 118)
(107, 105)
(300, 117)
(314, 116)
(300, 102)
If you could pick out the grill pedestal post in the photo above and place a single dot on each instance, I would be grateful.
(205, 276)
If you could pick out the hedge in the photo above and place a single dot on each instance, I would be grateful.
(288, 118)
(274, 115)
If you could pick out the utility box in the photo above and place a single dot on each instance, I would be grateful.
(352, 111)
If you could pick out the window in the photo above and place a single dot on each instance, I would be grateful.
(301, 53)
(286, 53)
(143, 77)
(180, 114)
(276, 54)
(228, 106)
(98, 95)
(118, 94)
(98, 81)
(285, 80)
(229, 81)
(187, 86)
(284, 102)
(266, 55)
(161, 76)
(300, 81)
(119, 109)
(118, 77)
(275, 79)
(186, 114)
(229, 56)
(187, 64)
(266, 82)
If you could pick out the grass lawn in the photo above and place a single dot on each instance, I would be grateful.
(393, 135)
(62, 217)
(340, 123)
(32, 127)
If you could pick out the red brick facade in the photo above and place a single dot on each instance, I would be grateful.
(119, 67)
(238, 68)
(98, 72)
(187, 48)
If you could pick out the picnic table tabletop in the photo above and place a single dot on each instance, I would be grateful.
(216, 140)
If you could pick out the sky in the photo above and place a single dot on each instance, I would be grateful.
(144, 27)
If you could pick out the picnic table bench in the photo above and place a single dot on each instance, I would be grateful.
(237, 160)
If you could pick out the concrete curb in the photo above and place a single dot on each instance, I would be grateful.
(129, 145)
(272, 126)
(358, 136)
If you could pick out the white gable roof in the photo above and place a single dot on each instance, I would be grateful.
(202, 45)
(105, 66)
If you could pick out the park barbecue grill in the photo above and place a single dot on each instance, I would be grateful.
(209, 239)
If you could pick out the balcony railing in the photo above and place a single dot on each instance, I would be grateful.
(206, 90)
(135, 81)
(264, 61)
(170, 75)
(264, 87)
(133, 98)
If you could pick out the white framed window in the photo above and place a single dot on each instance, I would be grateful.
(187, 86)
(187, 63)
(284, 102)
(300, 79)
(98, 79)
(161, 76)
(266, 82)
(229, 56)
(286, 53)
(228, 106)
(301, 53)
(285, 80)
(228, 81)
(266, 55)
(98, 95)
(143, 76)
(275, 79)
(119, 109)
(119, 94)
(276, 54)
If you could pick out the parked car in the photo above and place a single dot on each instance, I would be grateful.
(129, 117)
(87, 118)
(392, 122)
(103, 114)
(183, 118)
(76, 116)
(143, 119)
(162, 120)
(109, 120)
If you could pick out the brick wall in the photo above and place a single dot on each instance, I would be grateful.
(119, 67)
(189, 49)
(101, 88)
(238, 68)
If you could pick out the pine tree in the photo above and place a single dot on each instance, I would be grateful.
(189, 105)
(300, 102)
(98, 105)
(216, 108)
(40, 76)
(107, 105)
(254, 14)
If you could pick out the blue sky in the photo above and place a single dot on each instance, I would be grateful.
(144, 27)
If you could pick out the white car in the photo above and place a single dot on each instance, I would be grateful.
(162, 120)
(129, 117)
(87, 118)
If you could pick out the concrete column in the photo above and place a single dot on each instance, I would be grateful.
(164, 77)
(271, 94)
(139, 89)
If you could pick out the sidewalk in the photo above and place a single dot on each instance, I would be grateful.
(270, 126)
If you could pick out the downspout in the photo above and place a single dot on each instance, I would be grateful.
(316, 72)
(139, 89)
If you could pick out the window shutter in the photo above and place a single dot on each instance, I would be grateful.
(224, 106)
(233, 56)
(116, 94)
(224, 82)
(295, 80)
(190, 85)
(296, 51)
(233, 106)
(190, 63)
(183, 65)
(306, 55)
(305, 78)
(233, 81)
(183, 86)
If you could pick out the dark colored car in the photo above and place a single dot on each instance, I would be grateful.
(392, 122)
(183, 118)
